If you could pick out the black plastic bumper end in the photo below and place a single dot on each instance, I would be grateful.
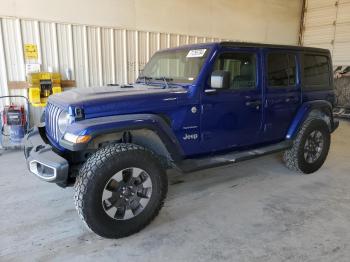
(42, 161)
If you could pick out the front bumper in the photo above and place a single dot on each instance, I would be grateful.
(42, 161)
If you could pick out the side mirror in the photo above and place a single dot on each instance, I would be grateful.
(220, 79)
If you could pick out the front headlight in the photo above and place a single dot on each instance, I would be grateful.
(63, 121)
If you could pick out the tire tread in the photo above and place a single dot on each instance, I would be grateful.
(87, 176)
(290, 156)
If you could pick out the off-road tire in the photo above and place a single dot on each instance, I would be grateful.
(95, 173)
(294, 157)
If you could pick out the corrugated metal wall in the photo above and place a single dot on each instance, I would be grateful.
(327, 25)
(94, 55)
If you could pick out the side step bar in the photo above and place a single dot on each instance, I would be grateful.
(195, 164)
(341, 112)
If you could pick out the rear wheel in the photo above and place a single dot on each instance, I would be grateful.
(120, 189)
(310, 148)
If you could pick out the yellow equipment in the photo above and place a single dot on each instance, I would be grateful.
(41, 86)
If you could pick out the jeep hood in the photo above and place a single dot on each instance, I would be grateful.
(111, 100)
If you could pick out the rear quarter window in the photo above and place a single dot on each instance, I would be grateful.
(316, 72)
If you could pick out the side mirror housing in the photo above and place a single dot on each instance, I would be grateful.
(220, 79)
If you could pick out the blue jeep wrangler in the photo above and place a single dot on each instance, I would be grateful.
(193, 107)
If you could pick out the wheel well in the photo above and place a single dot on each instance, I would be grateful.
(321, 113)
(150, 140)
(143, 137)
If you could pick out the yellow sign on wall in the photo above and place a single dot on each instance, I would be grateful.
(30, 51)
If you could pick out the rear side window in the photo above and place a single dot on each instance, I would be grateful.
(281, 70)
(316, 72)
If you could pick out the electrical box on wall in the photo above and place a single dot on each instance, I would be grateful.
(41, 86)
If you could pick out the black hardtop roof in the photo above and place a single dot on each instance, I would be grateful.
(260, 45)
(236, 44)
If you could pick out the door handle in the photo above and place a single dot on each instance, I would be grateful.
(210, 91)
(291, 99)
(253, 103)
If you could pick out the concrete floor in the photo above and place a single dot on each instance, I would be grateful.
(252, 211)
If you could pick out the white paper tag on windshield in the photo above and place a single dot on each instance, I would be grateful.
(196, 53)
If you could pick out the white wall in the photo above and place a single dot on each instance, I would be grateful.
(274, 21)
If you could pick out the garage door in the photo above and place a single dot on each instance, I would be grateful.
(327, 25)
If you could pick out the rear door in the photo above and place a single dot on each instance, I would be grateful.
(282, 93)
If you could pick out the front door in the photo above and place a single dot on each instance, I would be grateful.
(231, 117)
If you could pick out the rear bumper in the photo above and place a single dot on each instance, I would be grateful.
(42, 161)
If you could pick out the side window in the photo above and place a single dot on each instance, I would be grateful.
(242, 69)
(281, 70)
(316, 71)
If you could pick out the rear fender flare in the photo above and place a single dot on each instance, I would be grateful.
(318, 109)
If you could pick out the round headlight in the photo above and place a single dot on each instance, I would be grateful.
(63, 121)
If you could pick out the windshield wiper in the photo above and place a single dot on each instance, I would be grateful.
(165, 80)
(145, 79)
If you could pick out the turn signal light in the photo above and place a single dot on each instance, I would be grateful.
(83, 139)
(77, 139)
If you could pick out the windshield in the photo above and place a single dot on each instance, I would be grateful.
(182, 65)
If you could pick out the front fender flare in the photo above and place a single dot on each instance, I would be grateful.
(110, 124)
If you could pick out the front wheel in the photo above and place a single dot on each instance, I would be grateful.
(310, 148)
(120, 190)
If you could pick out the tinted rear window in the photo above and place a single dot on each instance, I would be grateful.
(281, 70)
(316, 72)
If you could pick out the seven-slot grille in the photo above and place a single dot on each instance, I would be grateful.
(52, 113)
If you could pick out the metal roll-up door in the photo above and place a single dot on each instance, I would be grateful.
(327, 25)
